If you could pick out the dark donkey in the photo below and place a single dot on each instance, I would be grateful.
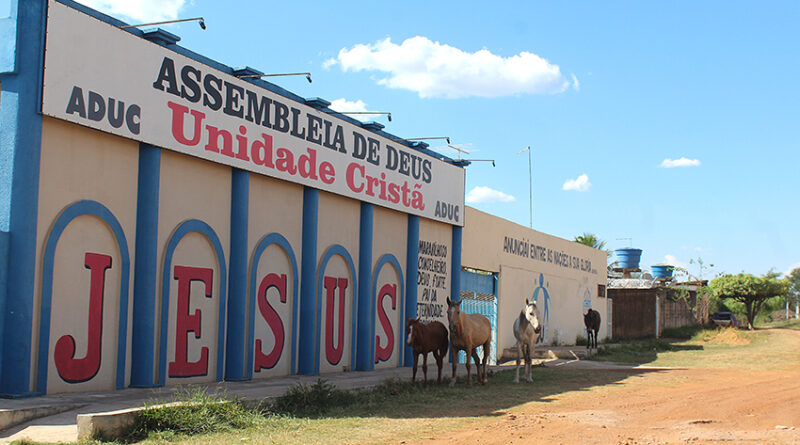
(592, 321)
(425, 338)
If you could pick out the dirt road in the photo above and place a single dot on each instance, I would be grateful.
(698, 406)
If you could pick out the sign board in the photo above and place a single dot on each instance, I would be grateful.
(108, 79)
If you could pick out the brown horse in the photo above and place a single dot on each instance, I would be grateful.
(467, 332)
(425, 338)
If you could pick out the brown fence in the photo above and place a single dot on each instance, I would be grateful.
(633, 313)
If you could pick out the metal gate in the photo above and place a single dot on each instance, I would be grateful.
(479, 296)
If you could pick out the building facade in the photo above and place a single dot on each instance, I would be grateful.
(166, 220)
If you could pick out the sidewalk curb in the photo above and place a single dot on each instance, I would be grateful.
(14, 417)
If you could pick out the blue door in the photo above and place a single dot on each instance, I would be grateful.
(479, 296)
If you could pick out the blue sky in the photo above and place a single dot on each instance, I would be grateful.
(668, 126)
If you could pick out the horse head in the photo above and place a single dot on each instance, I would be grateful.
(453, 314)
(410, 323)
(532, 315)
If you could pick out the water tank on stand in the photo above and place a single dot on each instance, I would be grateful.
(628, 258)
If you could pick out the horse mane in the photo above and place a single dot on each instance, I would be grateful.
(522, 318)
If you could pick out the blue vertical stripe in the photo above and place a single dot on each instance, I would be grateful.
(145, 268)
(308, 264)
(20, 151)
(366, 302)
(455, 265)
(237, 282)
(412, 255)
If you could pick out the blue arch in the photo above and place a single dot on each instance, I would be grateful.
(187, 227)
(336, 249)
(387, 259)
(80, 208)
(283, 243)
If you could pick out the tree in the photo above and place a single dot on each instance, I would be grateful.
(750, 290)
(591, 240)
(794, 287)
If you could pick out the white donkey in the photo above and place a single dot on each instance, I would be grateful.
(526, 330)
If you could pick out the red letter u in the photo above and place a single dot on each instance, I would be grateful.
(333, 352)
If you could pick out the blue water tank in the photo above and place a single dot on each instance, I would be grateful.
(628, 258)
(663, 271)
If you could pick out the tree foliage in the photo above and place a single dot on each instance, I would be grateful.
(750, 290)
(794, 282)
(591, 240)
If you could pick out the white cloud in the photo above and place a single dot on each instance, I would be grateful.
(432, 69)
(579, 184)
(139, 10)
(575, 83)
(673, 261)
(682, 162)
(481, 194)
(346, 105)
(790, 269)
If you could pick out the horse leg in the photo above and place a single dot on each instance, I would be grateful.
(469, 352)
(480, 375)
(425, 366)
(477, 361)
(486, 351)
(455, 364)
(414, 371)
(439, 359)
(519, 357)
(528, 362)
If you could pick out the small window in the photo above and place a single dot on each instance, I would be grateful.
(601, 291)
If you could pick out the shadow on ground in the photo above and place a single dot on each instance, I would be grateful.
(407, 401)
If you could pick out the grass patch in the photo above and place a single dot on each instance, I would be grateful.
(793, 324)
(196, 412)
(728, 348)
(634, 352)
(683, 333)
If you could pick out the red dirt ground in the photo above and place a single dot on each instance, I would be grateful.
(697, 406)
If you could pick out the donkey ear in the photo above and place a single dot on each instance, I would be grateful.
(449, 303)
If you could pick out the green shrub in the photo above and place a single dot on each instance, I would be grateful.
(311, 400)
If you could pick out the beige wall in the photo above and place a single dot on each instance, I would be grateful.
(339, 220)
(275, 207)
(192, 188)
(82, 164)
(563, 272)
(390, 234)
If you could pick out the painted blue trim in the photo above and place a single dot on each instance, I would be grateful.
(388, 259)
(455, 265)
(192, 225)
(73, 211)
(280, 240)
(4, 242)
(237, 292)
(309, 332)
(366, 320)
(412, 256)
(20, 151)
(336, 249)
(145, 268)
